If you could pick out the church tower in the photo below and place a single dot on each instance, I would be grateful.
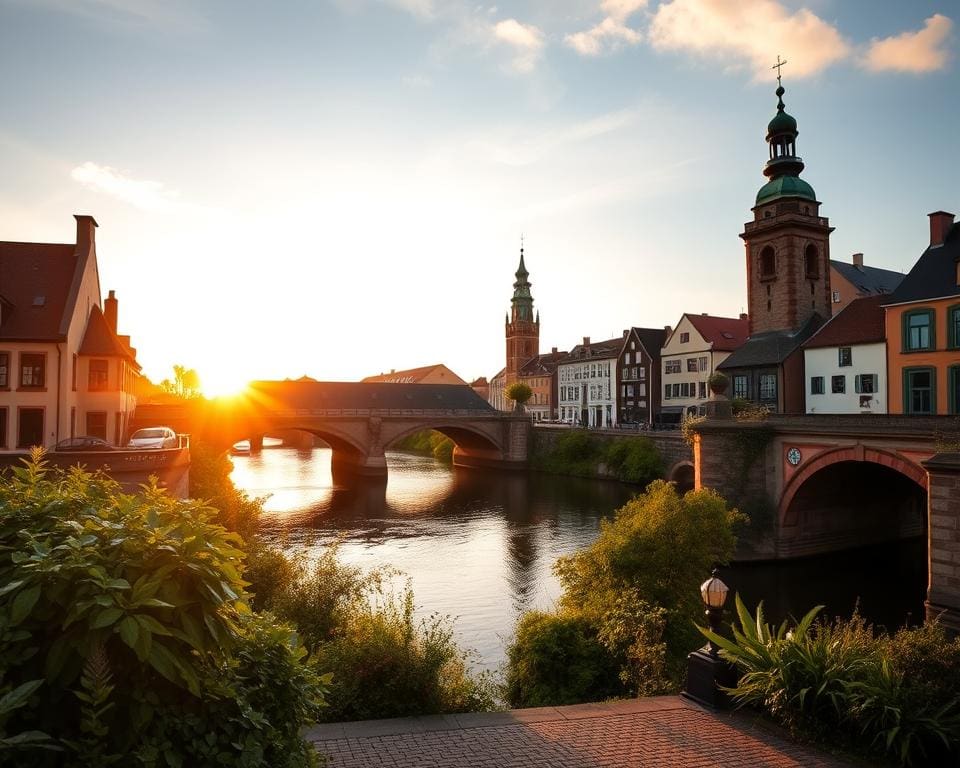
(522, 330)
(788, 242)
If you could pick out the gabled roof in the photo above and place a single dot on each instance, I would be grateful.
(868, 280)
(100, 341)
(652, 339)
(860, 322)
(543, 365)
(725, 333)
(415, 375)
(37, 281)
(934, 276)
(771, 347)
(599, 350)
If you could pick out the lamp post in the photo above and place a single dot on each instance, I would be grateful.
(706, 671)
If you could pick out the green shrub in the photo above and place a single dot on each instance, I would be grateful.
(210, 482)
(557, 659)
(126, 607)
(893, 697)
(519, 392)
(576, 453)
(429, 441)
(634, 460)
(387, 665)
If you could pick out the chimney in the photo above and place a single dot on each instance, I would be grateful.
(553, 351)
(626, 332)
(86, 232)
(586, 341)
(744, 316)
(858, 260)
(110, 311)
(667, 330)
(940, 223)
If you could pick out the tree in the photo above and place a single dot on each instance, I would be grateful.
(519, 392)
(185, 384)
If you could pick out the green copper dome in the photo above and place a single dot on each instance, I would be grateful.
(785, 186)
(782, 123)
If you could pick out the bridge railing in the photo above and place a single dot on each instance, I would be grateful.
(391, 412)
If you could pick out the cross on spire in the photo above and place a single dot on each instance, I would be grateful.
(777, 67)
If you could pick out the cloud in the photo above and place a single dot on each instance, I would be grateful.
(916, 52)
(751, 32)
(610, 33)
(142, 194)
(526, 40)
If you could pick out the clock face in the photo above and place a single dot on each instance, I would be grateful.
(793, 456)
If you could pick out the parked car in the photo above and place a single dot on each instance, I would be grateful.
(154, 437)
(83, 443)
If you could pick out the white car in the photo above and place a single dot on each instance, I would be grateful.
(154, 437)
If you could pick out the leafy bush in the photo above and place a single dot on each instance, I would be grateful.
(839, 682)
(428, 441)
(576, 453)
(128, 608)
(387, 665)
(210, 482)
(634, 460)
(519, 392)
(557, 659)
(629, 603)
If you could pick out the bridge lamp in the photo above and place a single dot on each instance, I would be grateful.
(714, 592)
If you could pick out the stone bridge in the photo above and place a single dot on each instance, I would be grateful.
(819, 483)
(357, 420)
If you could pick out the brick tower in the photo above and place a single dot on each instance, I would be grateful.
(788, 242)
(522, 329)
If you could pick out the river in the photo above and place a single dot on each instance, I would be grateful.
(479, 545)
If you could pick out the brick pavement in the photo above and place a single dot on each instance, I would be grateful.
(660, 732)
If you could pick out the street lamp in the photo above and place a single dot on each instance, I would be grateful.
(706, 671)
(713, 592)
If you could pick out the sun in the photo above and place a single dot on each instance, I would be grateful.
(221, 383)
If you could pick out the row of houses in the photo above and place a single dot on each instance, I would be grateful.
(820, 335)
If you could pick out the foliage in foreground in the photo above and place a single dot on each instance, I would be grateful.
(896, 697)
(124, 615)
(385, 662)
(629, 603)
(428, 441)
(580, 454)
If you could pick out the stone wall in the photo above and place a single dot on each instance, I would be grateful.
(943, 595)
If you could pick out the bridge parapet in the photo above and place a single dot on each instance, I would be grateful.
(943, 596)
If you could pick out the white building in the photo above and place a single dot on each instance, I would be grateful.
(845, 362)
(64, 371)
(692, 352)
(587, 384)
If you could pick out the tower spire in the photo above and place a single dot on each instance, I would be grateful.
(522, 299)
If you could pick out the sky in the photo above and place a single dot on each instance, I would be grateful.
(338, 188)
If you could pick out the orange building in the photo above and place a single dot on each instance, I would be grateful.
(923, 328)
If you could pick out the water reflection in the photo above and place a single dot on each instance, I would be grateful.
(477, 545)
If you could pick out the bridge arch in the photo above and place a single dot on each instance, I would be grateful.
(683, 474)
(465, 437)
(853, 453)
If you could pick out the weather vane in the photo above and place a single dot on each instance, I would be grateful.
(777, 67)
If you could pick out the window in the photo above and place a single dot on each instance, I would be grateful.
(865, 383)
(704, 362)
(692, 365)
(816, 385)
(32, 368)
(702, 390)
(3, 427)
(768, 263)
(97, 379)
(768, 386)
(642, 370)
(623, 373)
(684, 338)
(953, 391)
(953, 321)
(666, 392)
(811, 262)
(633, 372)
(918, 330)
(676, 391)
(836, 297)
(30, 429)
(846, 356)
(685, 390)
(919, 392)
(4, 371)
(642, 390)
(740, 387)
(671, 366)
(97, 424)
(838, 384)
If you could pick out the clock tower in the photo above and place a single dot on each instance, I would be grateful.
(522, 328)
(788, 241)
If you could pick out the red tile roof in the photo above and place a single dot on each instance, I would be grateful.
(413, 375)
(860, 322)
(36, 280)
(725, 333)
